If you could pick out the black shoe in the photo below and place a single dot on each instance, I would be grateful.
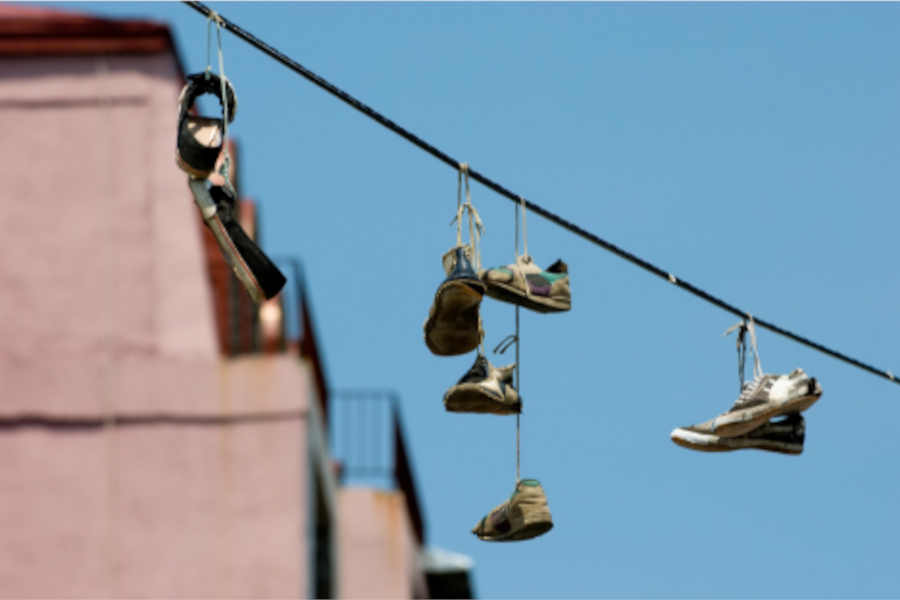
(200, 139)
(251, 266)
(785, 436)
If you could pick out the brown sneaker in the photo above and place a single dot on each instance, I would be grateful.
(453, 325)
(766, 397)
(524, 516)
(484, 389)
(525, 284)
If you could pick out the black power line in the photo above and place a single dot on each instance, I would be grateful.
(568, 225)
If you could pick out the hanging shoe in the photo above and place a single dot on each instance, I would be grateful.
(200, 139)
(484, 389)
(785, 436)
(765, 397)
(525, 515)
(259, 276)
(453, 325)
(525, 284)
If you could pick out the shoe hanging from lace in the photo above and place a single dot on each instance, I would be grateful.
(476, 226)
(743, 328)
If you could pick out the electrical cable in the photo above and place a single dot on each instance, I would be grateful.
(550, 216)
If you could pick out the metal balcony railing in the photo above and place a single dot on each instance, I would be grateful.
(369, 444)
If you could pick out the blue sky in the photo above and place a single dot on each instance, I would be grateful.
(751, 149)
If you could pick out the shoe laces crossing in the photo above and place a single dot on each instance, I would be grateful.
(748, 391)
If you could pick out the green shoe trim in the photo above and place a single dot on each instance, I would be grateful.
(553, 277)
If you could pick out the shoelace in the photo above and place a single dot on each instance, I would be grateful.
(476, 226)
(748, 391)
(743, 327)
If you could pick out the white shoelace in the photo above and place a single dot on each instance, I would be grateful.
(476, 226)
(743, 327)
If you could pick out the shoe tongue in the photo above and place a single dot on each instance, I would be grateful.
(479, 371)
(506, 373)
(451, 257)
(526, 264)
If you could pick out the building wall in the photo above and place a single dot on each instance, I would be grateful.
(378, 550)
(136, 461)
(101, 249)
(164, 509)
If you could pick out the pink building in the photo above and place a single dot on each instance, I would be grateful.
(161, 436)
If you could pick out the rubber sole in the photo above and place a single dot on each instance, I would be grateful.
(470, 398)
(452, 325)
(744, 421)
(713, 443)
(509, 293)
(535, 525)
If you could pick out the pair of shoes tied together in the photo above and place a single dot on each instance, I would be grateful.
(746, 424)
(524, 516)
(200, 145)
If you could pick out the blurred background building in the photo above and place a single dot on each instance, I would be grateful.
(161, 435)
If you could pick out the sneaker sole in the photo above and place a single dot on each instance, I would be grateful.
(744, 421)
(705, 442)
(535, 525)
(471, 398)
(508, 293)
(452, 327)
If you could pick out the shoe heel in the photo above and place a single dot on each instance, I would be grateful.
(535, 522)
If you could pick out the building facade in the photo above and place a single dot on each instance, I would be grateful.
(161, 435)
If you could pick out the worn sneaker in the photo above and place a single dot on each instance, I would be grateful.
(765, 397)
(484, 389)
(525, 284)
(259, 276)
(200, 139)
(785, 436)
(453, 325)
(525, 515)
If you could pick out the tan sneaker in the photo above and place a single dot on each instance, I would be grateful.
(525, 284)
(524, 516)
(766, 397)
(453, 325)
(484, 389)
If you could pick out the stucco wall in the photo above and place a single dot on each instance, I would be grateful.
(106, 312)
(164, 510)
(101, 249)
(378, 551)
